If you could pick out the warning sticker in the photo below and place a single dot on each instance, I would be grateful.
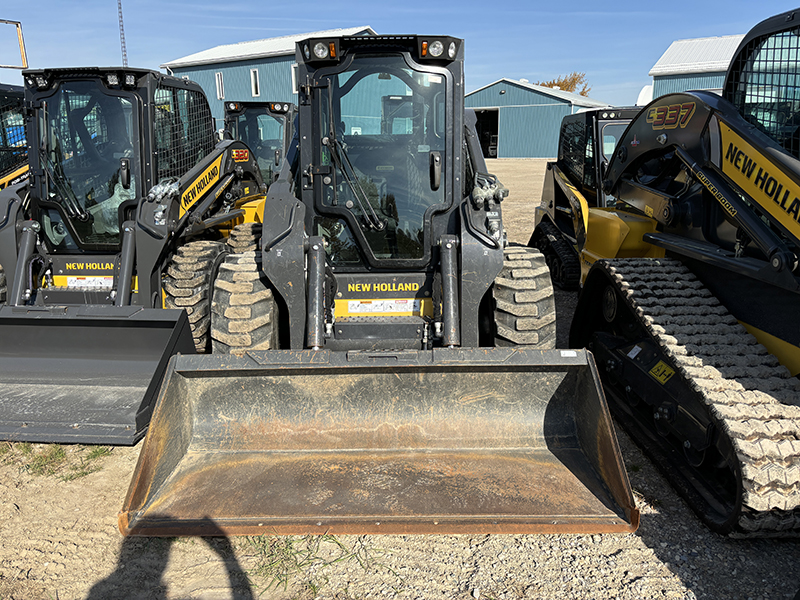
(91, 282)
(662, 372)
(372, 307)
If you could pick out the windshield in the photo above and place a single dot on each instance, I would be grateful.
(382, 133)
(612, 132)
(85, 134)
(263, 134)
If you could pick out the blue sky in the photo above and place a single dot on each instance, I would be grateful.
(614, 43)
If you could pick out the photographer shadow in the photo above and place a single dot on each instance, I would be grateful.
(143, 562)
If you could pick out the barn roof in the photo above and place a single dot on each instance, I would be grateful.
(699, 55)
(277, 46)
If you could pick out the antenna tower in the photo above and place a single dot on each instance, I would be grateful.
(122, 35)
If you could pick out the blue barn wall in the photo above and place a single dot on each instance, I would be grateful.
(530, 132)
(274, 77)
(528, 120)
(668, 84)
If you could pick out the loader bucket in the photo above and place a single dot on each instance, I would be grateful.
(443, 441)
(84, 374)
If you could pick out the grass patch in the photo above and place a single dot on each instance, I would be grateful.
(280, 560)
(48, 461)
(65, 462)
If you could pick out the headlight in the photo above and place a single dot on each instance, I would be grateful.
(451, 50)
(286, 107)
(436, 49)
(320, 50)
(306, 51)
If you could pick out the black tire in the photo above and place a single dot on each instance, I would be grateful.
(190, 275)
(525, 309)
(564, 265)
(3, 287)
(245, 238)
(243, 309)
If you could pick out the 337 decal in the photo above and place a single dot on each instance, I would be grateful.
(671, 116)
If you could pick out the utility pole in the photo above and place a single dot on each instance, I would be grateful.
(122, 35)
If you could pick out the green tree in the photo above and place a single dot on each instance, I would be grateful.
(574, 82)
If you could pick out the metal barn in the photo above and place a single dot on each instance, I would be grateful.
(249, 71)
(517, 119)
(696, 64)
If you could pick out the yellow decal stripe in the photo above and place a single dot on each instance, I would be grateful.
(761, 179)
(195, 190)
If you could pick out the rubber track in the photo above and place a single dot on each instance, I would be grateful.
(525, 312)
(754, 398)
(555, 248)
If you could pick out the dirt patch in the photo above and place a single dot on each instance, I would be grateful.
(59, 537)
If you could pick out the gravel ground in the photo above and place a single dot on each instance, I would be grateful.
(58, 539)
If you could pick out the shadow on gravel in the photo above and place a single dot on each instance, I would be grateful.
(709, 565)
(142, 563)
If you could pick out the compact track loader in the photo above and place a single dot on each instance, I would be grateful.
(386, 359)
(700, 350)
(122, 217)
(577, 222)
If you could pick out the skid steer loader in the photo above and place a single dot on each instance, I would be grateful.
(13, 149)
(386, 362)
(122, 217)
(700, 350)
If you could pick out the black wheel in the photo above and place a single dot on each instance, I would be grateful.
(525, 310)
(243, 308)
(187, 285)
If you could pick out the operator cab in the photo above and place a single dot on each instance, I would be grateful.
(380, 154)
(266, 128)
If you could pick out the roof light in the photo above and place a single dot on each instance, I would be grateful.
(41, 82)
(436, 49)
(130, 79)
(112, 79)
(320, 50)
